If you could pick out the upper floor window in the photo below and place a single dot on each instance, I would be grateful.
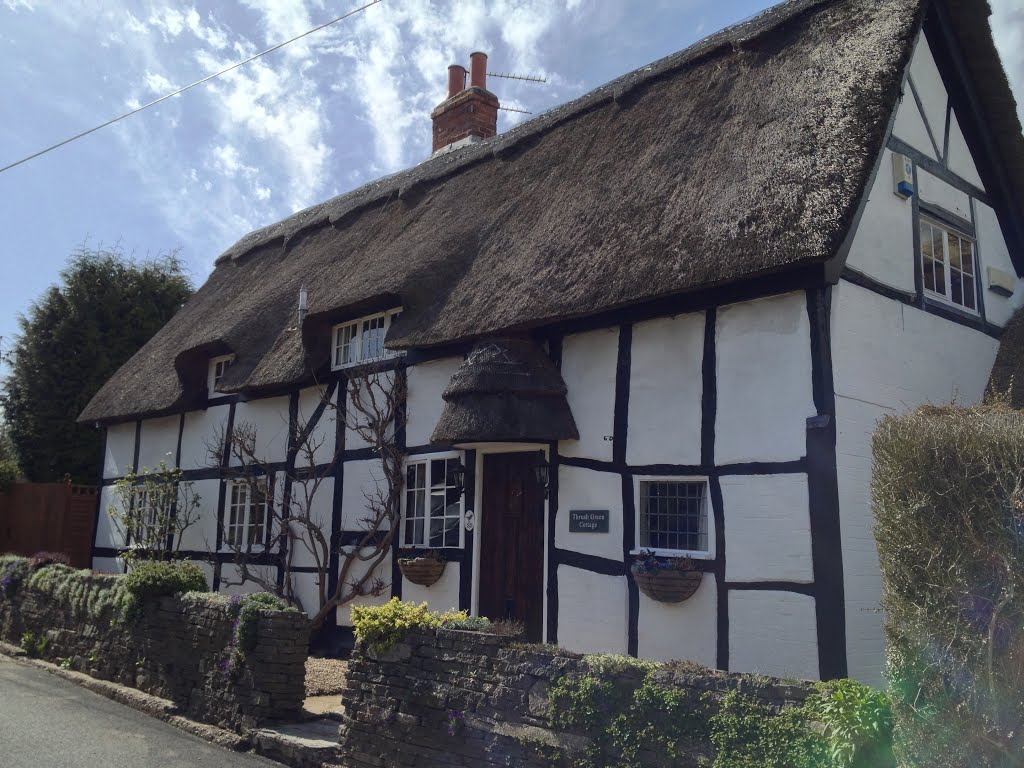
(362, 340)
(948, 265)
(245, 525)
(218, 365)
(433, 503)
(672, 516)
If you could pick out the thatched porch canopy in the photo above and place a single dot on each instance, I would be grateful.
(506, 390)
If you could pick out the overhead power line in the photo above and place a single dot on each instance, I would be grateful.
(189, 86)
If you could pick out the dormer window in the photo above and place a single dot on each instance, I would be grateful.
(948, 266)
(362, 340)
(218, 365)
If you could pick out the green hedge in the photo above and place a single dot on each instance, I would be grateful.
(154, 578)
(948, 495)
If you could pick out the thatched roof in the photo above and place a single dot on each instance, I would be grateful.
(743, 155)
(507, 389)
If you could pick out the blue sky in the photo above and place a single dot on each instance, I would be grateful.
(315, 119)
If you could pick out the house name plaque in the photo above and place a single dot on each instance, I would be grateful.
(588, 521)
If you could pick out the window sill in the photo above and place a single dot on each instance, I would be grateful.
(941, 302)
(674, 553)
(369, 363)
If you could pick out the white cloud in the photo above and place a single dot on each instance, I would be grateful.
(158, 84)
(262, 193)
(20, 5)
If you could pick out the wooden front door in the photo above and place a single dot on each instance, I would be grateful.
(512, 541)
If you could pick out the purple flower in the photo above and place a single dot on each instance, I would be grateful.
(456, 720)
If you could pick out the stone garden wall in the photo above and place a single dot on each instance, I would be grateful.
(446, 698)
(176, 648)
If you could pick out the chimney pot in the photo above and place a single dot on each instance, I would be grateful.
(478, 69)
(456, 79)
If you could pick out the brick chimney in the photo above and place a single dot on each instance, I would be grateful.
(469, 114)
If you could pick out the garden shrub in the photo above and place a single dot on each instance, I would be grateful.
(151, 578)
(629, 712)
(948, 496)
(89, 597)
(381, 626)
(13, 570)
(34, 645)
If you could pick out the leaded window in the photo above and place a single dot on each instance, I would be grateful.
(245, 525)
(673, 515)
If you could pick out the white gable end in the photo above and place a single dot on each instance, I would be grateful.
(959, 158)
(921, 119)
(927, 82)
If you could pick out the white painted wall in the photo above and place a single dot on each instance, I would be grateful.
(937, 192)
(665, 391)
(960, 160)
(269, 418)
(764, 380)
(591, 611)
(107, 534)
(773, 633)
(360, 477)
(321, 503)
(202, 428)
(120, 449)
(234, 574)
(203, 535)
(910, 127)
(588, 489)
(108, 564)
(887, 358)
(681, 631)
(426, 382)
(993, 252)
(158, 440)
(588, 368)
(321, 438)
(883, 246)
(767, 528)
(443, 595)
(930, 88)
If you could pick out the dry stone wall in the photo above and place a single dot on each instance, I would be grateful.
(178, 649)
(447, 699)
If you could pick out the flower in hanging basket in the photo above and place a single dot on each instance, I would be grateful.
(421, 567)
(667, 580)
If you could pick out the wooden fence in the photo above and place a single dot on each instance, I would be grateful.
(51, 517)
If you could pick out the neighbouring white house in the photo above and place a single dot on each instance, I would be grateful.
(666, 315)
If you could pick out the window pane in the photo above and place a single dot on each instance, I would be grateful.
(956, 290)
(928, 268)
(418, 531)
(926, 240)
(673, 516)
(409, 540)
(967, 249)
(436, 533)
(954, 251)
(969, 295)
(437, 505)
(437, 473)
(940, 278)
(938, 249)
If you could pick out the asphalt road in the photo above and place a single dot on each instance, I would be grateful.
(48, 722)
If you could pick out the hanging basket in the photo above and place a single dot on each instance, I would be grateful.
(422, 570)
(668, 585)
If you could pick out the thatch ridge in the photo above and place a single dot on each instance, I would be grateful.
(744, 155)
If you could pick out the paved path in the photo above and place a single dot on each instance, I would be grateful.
(47, 722)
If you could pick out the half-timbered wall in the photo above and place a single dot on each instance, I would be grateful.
(894, 348)
(723, 393)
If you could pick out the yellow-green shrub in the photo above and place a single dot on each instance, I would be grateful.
(381, 626)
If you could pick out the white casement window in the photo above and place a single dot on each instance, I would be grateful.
(245, 519)
(673, 517)
(218, 365)
(362, 340)
(948, 265)
(432, 507)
